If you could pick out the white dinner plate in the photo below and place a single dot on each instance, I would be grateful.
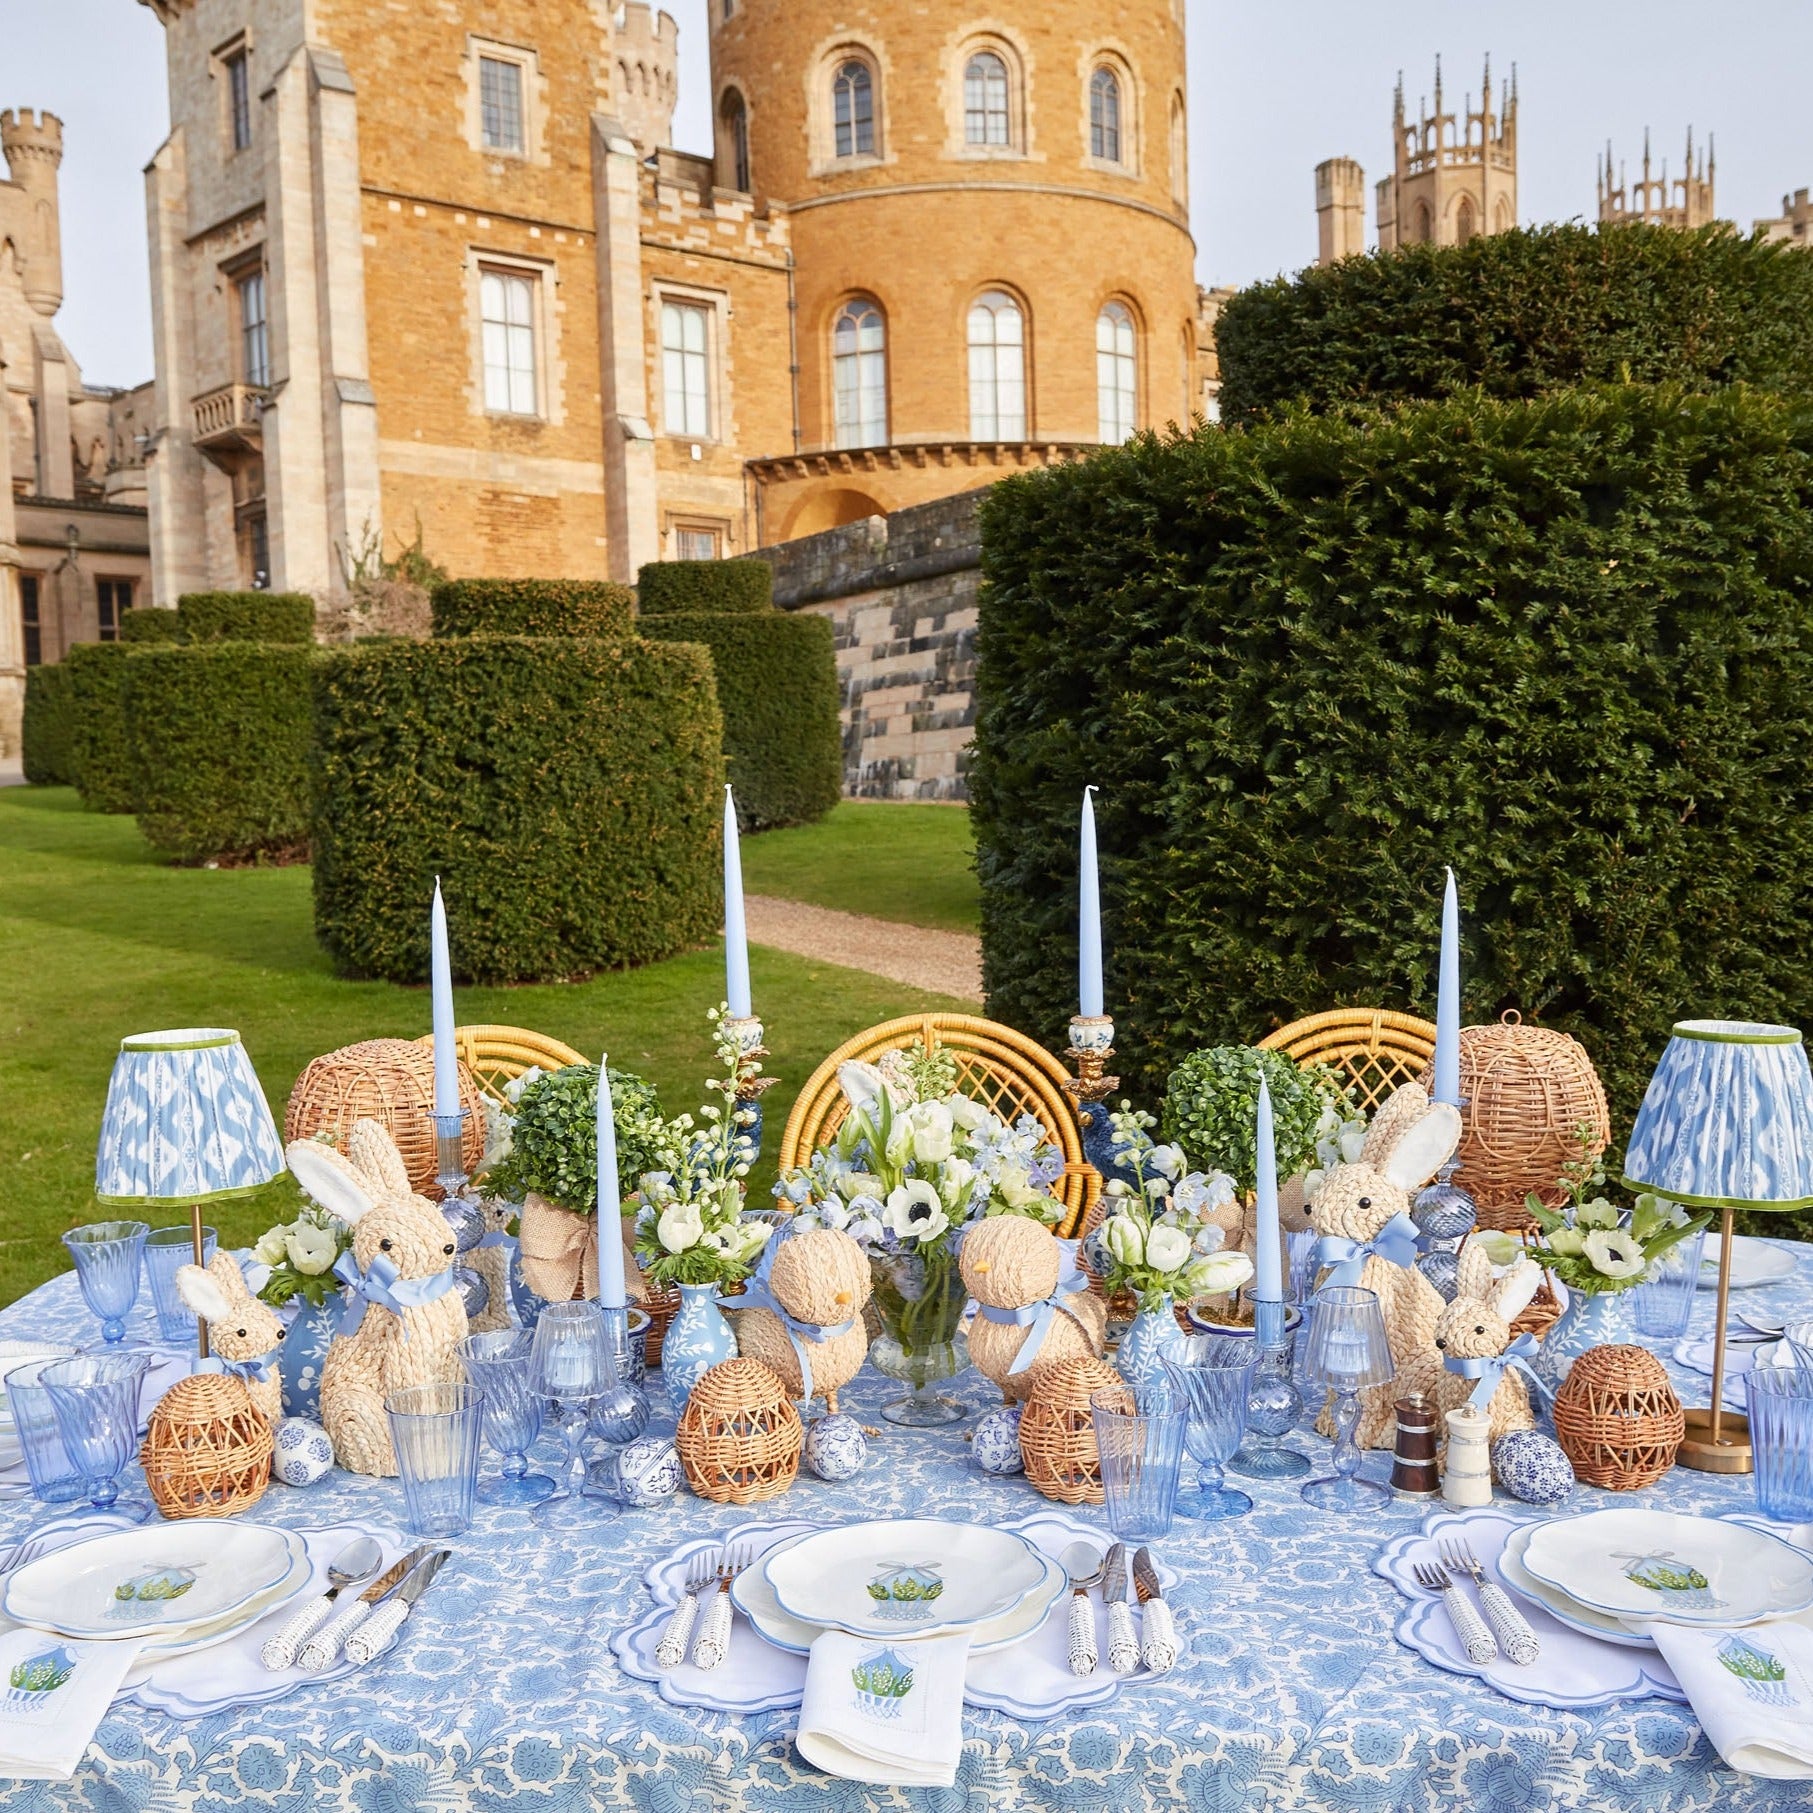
(1753, 1262)
(1670, 1567)
(188, 1638)
(904, 1577)
(1557, 1604)
(149, 1581)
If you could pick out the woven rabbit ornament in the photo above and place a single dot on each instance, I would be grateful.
(243, 1333)
(404, 1320)
(1029, 1316)
(1476, 1326)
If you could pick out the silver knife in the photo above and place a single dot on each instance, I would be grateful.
(1123, 1646)
(1159, 1650)
(322, 1648)
(383, 1624)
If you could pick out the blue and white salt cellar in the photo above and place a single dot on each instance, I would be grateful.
(995, 1446)
(302, 1454)
(836, 1447)
(1532, 1467)
(648, 1471)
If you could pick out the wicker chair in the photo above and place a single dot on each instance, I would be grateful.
(1373, 1049)
(1000, 1067)
(497, 1055)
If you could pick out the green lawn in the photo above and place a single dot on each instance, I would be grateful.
(916, 864)
(98, 939)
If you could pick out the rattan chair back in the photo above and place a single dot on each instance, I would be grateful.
(1373, 1049)
(497, 1055)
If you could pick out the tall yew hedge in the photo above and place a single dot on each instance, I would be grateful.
(47, 732)
(100, 750)
(1566, 646)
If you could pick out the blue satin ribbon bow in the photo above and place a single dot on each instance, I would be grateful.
(1040, 1315)
(259, 1367)
(757, 1295)
(1395, 1243)
(381, 1285)
(1489, 1370)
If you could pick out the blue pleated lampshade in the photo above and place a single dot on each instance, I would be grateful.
(185, 1121)
(1727, 1120)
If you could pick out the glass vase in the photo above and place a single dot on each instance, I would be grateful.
(698, 1338)
(920, 1300)
(1153, 1338)
(1588, 1320)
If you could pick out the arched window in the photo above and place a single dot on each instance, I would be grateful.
(997, 368)
(1463, 221)
(859, 374)
(853, 109)
(1423, 234)
(1105, 115)
(736, 139)
(986, 120)
(1116, 374)
(1501, 216)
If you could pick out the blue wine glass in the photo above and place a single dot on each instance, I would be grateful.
(108, 1256)
(570, 1364)
(94, 1397)
(1213, 1380)
(498, 1364)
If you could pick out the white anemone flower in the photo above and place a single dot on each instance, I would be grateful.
(680, 1226)
(1614, 1253)
(914, 1211)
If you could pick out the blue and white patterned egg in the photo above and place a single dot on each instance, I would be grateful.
(648, 1470)
(302, 1454)
(995, 1446)
(836, 1447)
(1531, 1466)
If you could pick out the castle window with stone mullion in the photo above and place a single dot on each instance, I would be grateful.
(859, 374)
(985, 110)
(500, 104)
(997, 368)
(1105, 116)
(853, 110)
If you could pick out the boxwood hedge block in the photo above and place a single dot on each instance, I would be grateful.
(568, 794)
(778, 690)
(47, 733)
(150, 624)
(705, 585)
(533, 607)
(220, 741)
(246, 617)
(100, 749)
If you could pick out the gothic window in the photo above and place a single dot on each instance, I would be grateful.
(986, 118)
(507, 327)
(1501, 216)
(30, 619)
(1105, 116)
(736, 139)
(1116, 374)
(997, 368)
(500, 109)
(254, 330)
(112, 600)
(1423, 233)
(686, 368)
(859, 373)
(239, 99)
(1463, 222)
(853, 109)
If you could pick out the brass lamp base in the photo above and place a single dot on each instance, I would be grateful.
(1729, 1454)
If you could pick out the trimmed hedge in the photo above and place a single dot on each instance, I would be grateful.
(1566, 646)
(246, 617)
(568, 794)
(220, 740)
(147, 623)
(778, 690)
(47, 732)
(1516, 314)
(100, 749)
(704, 585)
(533, 607)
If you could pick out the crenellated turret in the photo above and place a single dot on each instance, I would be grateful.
(33, 146)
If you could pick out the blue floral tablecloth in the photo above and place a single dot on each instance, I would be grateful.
(503, 1693)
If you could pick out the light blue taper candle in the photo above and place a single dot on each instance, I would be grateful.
(1447, 1003)
(736, 936)
(1268, 1266)
(440, 973)
(610, 1205)
(1088, 919)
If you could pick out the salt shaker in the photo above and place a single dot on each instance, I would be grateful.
(1414, 1473)
(1468, 1478)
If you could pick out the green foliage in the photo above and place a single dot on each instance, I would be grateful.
(220, 742)
(778, 690)
(47, 735)
(1516, 314)
(554, 1138)
(1565, 646)
(147, 624)
(704, 585)
(100, 750)
(568, 794)
(246, 617)
(1212, 1099)
(533, 607)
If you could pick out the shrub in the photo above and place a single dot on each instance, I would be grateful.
(148, 624)
(1519, 313)
(246, 617)
(567, 793)
(1212, 1103)
(46, 735)
(100, 750)
(778, 690)
(705, 585)
(220, 739)
(533, 607)
(1565, 646)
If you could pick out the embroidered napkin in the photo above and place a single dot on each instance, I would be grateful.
(882, 1712)
(54, 1691)
(1751, 1690)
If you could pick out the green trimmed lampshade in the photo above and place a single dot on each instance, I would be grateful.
(1727, 1120)
(185, 1121)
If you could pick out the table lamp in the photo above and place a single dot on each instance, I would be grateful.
(185, 1122)
(1726, 1124)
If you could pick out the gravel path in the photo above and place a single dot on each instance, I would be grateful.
(943, 963)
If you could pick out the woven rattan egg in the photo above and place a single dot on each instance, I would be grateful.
(1618, 1419)
(1010, 1262)
(820, 1277)
(207, 1451)
(740, 1436)
(1057, 1433)
(1527, 1092)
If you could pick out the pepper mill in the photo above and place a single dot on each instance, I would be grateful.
(1468, 1479)
(1414, 1473)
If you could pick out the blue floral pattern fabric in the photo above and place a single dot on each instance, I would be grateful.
(502, 1693)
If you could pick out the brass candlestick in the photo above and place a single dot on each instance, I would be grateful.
(1091, 1046)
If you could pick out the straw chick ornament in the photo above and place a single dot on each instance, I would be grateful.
(804, 1320)
(1034, 1308)
(243, 1333)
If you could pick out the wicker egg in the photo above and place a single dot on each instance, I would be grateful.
(995, 1446)
(819, 1276)
(1057, 1433)
(740, 1437)
(836, 1447)
(1008, 1262)
(1617, 1418)
(302, 1453)
(1532, 1468)
(207, 1451)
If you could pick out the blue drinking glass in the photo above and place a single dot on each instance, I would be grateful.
(167, 1251)
(95, 1398)
(108, 1255)
(1213, 1382)
(1781, 1439)
(53, 1475)
(498, 1364)
(436, 1431)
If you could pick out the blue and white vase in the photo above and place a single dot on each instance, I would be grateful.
(697, 1339)
(1153, 1339)
(1589, 1319)
(304, 1353)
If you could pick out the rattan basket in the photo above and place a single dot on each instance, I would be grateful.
(1617, 1418)
(740, 1436)
(207, 1451)
(1057, 1432)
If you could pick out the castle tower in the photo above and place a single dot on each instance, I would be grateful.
(646, 54)
(1684, 204)
(33, 145)
(992, 253)
(1340, 210)
(1455, 174)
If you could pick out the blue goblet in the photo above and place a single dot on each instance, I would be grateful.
(1213, 1380)
(108, 1256)
(570, 1364)
(498, 1364)
(94, 1397)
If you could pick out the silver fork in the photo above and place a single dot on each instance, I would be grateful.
(670, 1652)
(1469, 1626)
(1509, 1625)
(714, 1632)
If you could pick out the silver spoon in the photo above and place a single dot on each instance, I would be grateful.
(1085, 1564)
(1769, 1331)
(360, 1559)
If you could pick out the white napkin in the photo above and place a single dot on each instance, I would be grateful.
(885, 1712)
(1751, 1690)
(54, 1691)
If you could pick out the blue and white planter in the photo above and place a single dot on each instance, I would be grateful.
(1153, 1339)
(697, 1339)
(304, 1353)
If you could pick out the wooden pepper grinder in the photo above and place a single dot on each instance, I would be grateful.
(1414, 1473)
(1468, 1479)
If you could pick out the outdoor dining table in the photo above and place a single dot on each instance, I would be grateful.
(502, 1691)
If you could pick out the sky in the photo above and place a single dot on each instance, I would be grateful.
(1275, 86)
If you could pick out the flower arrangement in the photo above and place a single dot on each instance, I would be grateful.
(550, 1147)
(301, 1255)
(1212, 1102)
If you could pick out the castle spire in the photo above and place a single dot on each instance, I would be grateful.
(1438, 85)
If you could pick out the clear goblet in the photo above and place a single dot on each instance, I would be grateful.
(94, 1397)
(570, 1364)
(1212, 1381)
(108, 1256)
(498, 1364)
(1348, 1351)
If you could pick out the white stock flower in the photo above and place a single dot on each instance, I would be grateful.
(311, 1250)
(680, 1226)
(1614, 1253)
(1167, 1248)
(1124, 1240)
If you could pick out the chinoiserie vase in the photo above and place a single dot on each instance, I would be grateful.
(1153, 1339)
(1588, 1320)
(698, 1338)
(920, 1299)
(303, 1354)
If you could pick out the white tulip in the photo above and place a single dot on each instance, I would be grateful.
(311, 1251)
(933, 1129)
(680, 1226)
(862, 1085)
(1167, 1248)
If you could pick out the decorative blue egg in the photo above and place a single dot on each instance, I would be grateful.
(1531, 1466)
(302, 1454)
(648, 1470)
(836, 1447)
(996, 1443)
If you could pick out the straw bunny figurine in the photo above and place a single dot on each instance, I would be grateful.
(1029, 1314)
(804, 1322)
(405, 1320)
(1362, 1212)
(492, 1263)
(240, 1328)
(1477, 1326)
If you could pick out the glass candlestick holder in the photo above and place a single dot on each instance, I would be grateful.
(1348, 1352)
(1273, 1405)
(1444, 1215)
